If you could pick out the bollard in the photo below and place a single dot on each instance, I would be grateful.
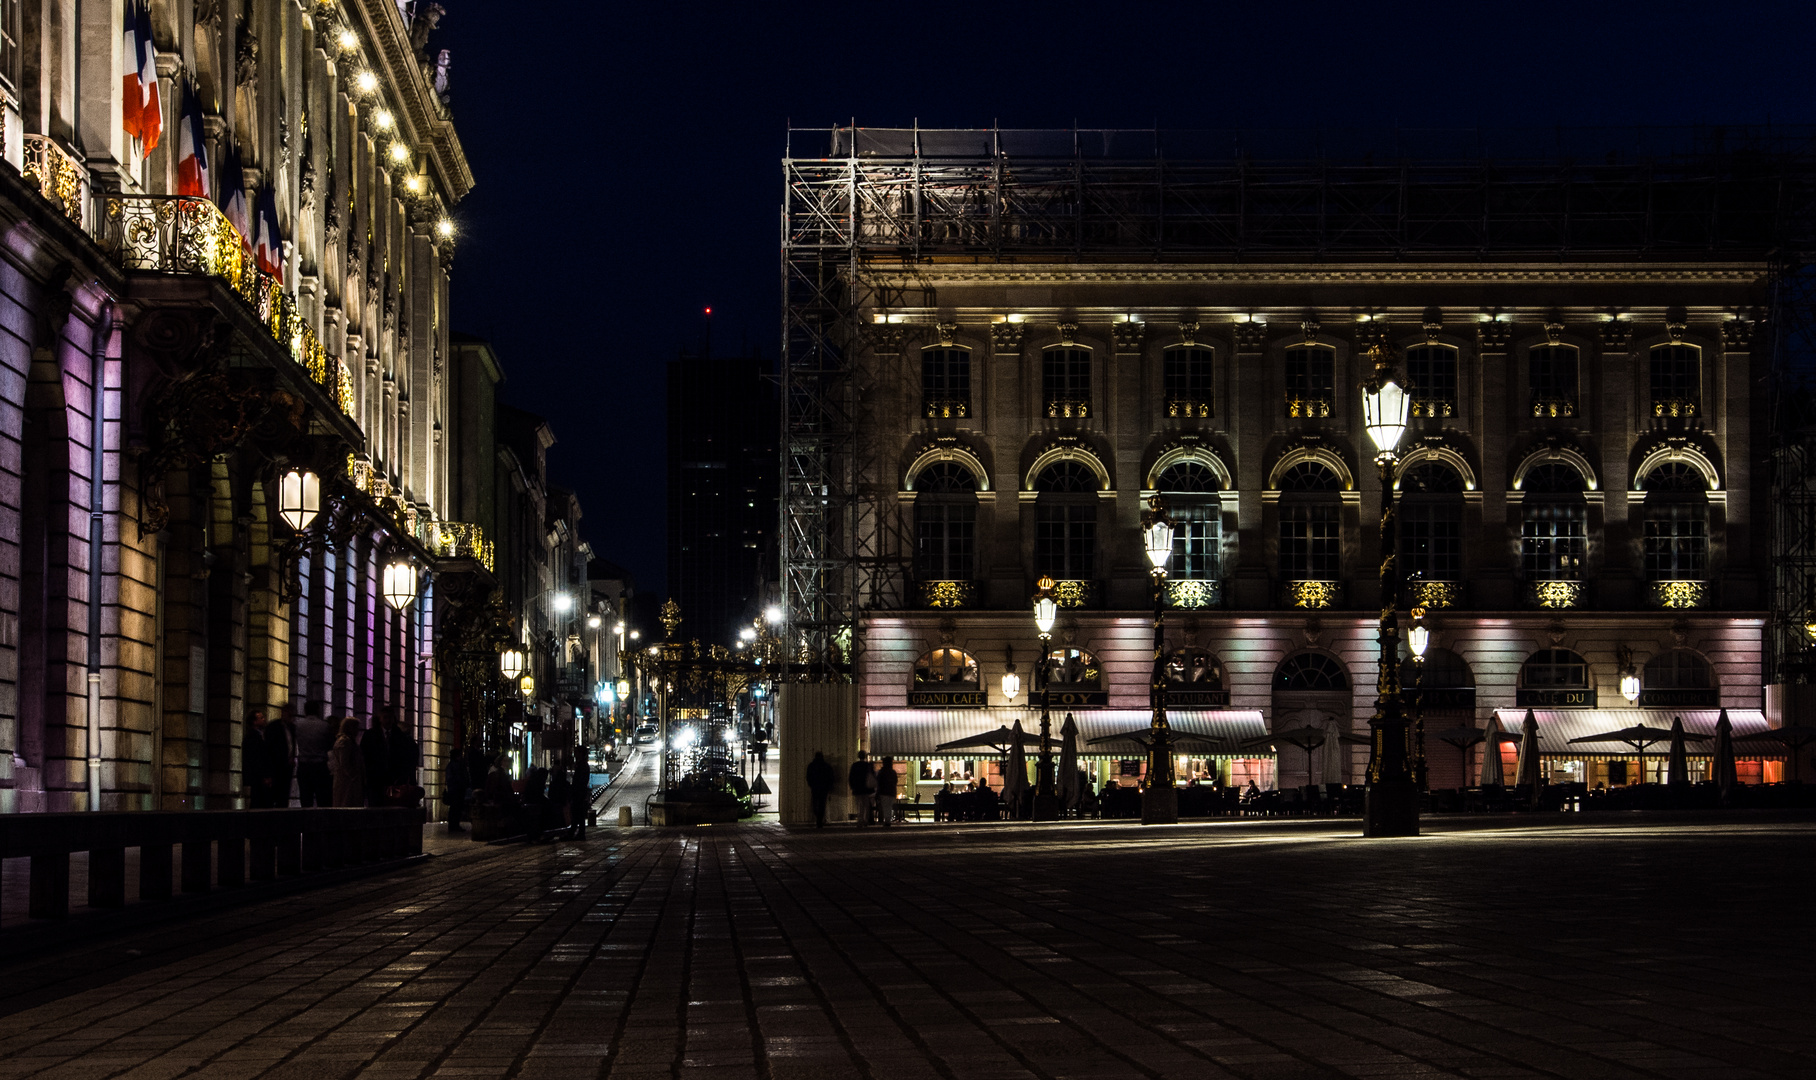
(624, 815)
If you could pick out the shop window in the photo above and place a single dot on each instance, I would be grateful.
(1073, 669)
(1554, 669)
(947, 668)
(1311, 381)
(1310, 671)
(1553, 376)
(1432, 371)
(946, 382)
(1186, 380)
(1194, 668)
(1676, 373)
(1065, 380)
(945, 523)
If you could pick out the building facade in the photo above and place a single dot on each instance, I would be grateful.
(1045, 343)
(180, 334)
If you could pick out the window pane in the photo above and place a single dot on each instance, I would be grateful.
(1431, 540)
(1432, 370)
(1065, 541)
(1676, 372)
(1310, 542)
(1065, 378)
(1677, 542)
(1553, 369)
(1311, 382)
(1197, 537)
(946, 383)
(1553, 541)
(1186, 380)
(945, 541)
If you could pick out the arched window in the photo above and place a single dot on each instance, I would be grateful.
(1311, 381)
(1676, 371)
(945, 523)
(1677, 523)
(1073, 669)
(946, 382)
(1431, 523)
(1311, 530)
(1310, 671)
(1553, 376)
(1185, 378)
(1194, 668)
(946, 668)
(1191, 491)
(1678, 669)
(1554, 523)
(1065, 522)
(1554, 669)
(1432, 371)
(1065, 380)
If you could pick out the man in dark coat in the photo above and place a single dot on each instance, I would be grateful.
(400, 751)
(255, 763)
(279, 759)
(374, 750)
(862, 781)
(819, 783)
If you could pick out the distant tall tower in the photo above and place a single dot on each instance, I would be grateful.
(721, 490)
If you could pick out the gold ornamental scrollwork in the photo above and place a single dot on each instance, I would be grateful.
(1555, 594)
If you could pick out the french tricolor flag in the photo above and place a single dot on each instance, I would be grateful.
(268, 241)
(151, 109)
(232, 200)
(132, 95)
(192, 147)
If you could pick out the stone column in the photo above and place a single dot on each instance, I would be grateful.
(1501, 397)
(1001, 558)
(1249, 430)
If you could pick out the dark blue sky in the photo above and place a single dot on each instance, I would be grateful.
(627, 154)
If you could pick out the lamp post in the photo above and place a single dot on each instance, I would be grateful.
(1392, 806)
(1160, 799)
(1046, 611)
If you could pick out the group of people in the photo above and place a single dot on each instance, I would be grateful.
(331, 762)
(558, 800)
(874, 787)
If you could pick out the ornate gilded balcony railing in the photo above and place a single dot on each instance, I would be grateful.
(457, 540)
(1188, 406)
(176, 234)
(1434, 594)
(1678, 594)
(946, 593)
(1555, 594)
(1311, 594)
(1543, 405)
(1311, 408)
(1433, 407)
(1074, 592)
(57, 176)
(1194, 592)
(946, 408)
(1068, 407)
(1675, 406)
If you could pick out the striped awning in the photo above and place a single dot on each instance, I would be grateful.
(913, 733)
(1558, 726)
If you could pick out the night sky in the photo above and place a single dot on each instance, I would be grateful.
(627, 155)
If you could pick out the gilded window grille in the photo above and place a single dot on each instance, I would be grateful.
(1191, 593)
(457, 540)
(1436, 594)
(1312, 408)
(1073, 593)
(1433, 407)
(947, 408)
(1674, 406)
(1311, 594)
(1679, 594)
(57, 176)
(948, 594)
(1553, 407)
(1188, 407)
(1073, 408)
(1555, 594)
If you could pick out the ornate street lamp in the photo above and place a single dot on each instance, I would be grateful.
(1392, 806)
(1046, 610)
(1011, 681)
(511, 664)
(399, 584)
(299, 498)
(1630, 686)
(1160, 799)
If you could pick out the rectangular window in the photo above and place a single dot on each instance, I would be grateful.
(1311, 382)
(945, 543)
(1553, 541)
(9, 45)
(1310, 542)
(1677, 542)
(1065, 541)
(1197, 538)
(946, 383)
(1185, 378)
(1676, 380)
(1065, 381)
(1431, 541)
(1432, 370)
(1553, 371)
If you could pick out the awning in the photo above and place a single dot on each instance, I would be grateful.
(913, 733)
(1558, 726)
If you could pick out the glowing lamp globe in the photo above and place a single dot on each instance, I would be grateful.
(1158, 536)
(511, 663)
(1418, 639)
(399, 584)
(624, 689)
(299, 498)
(1384, 412)
(1630, 686)
(1046, 609)
(1011, 685)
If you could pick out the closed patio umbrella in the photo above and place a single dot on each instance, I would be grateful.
(1462, 738)
(1068, 762)
(1493, 772)
(1015, 773)
(1527, 772)
(1725, 776)
(1677, 767)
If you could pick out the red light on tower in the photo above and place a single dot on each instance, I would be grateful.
(709, 312)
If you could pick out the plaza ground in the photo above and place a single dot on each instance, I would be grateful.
(1574, 946)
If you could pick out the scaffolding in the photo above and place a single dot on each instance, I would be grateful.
(863, 207)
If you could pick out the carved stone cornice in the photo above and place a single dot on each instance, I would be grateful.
(1188, 333)
(1310, 328)
(1554, 332)
(1433, 327)
(1007, 337)
(946, 330)
(1068, 333)
(1126, 336)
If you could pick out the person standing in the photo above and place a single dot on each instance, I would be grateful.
(862, 781)
(314, 738)
(580, 796)
(255, 762)
(374, 754)
(400, 752)
(459, 776)
(886, 783)
(347, 765)
(819, 785)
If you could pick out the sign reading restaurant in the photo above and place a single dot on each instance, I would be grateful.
(946, 699)
(1556, 699)
(1198, 699)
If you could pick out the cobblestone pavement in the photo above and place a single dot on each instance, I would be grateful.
(1655, 948)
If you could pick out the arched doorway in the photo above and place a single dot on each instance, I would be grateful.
(1312, 689)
